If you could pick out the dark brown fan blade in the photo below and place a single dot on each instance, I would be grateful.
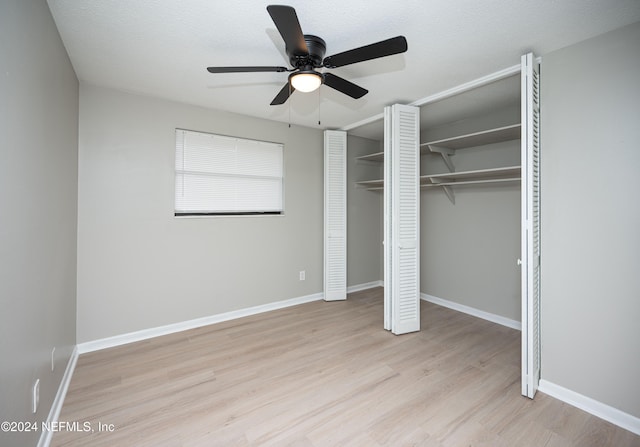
(243, 69)
(344, 86)
(283, 95)
(384, 48)
(288, 25)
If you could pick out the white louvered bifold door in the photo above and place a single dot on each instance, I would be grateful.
(387, 245)
(530, 157)
(404, 232)
(335, 215)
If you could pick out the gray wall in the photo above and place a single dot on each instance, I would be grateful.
(469, 249)
(364, 215)
(590, 224)
(38, 199)
(140, 267)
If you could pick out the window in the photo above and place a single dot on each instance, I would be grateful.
(219, 175)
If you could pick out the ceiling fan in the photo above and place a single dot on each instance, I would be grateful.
(306, 53)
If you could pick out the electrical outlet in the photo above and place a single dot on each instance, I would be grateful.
(35, 396)
(302, 275)
(53, 359)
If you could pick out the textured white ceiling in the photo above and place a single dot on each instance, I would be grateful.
(162, 47)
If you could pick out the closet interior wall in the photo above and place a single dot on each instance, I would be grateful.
(469, 249)
(364, 215)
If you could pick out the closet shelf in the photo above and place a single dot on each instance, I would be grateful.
(492, 175)
(449, 179)
(371, 185)
(377, 156)
(497, 135)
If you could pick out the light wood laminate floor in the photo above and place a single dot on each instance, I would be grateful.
(323, 374)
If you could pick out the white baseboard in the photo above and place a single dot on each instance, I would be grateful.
(596, 408)
(504, 321)
(56, 406)
(364, 286)
(146, 334)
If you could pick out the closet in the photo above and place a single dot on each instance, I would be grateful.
(476, 172)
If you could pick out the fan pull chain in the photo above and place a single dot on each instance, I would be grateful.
(289, 105)
(319, 102)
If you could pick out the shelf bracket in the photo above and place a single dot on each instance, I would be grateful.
(445, 152)
(447, 190)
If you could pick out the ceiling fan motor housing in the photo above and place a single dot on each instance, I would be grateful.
(317, 48)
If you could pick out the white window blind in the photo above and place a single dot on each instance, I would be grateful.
(217, 174)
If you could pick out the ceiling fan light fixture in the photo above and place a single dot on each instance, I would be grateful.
(306, 81)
